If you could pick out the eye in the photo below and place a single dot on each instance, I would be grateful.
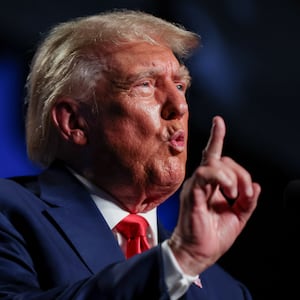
(145, 84)
(181, 86)
(143, 88)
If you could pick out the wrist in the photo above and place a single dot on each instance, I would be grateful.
(189, 263)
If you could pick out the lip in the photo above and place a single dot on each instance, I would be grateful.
(177, 141)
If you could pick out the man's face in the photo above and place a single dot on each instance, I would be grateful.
(141, 136)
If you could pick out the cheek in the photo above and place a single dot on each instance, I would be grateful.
(134, 137)
(134, 116)
(143, 124)
(130, 125)
(147, 117)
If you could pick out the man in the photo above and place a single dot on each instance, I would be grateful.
(108, 120)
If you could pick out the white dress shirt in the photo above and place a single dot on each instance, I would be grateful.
(176, 281)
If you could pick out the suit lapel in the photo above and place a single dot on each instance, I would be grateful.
(163, 234)
(74, 213)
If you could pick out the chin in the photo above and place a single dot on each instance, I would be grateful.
(165, 178)
(163, 191)
(145, 206)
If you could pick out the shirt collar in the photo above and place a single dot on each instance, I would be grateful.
(109, 208)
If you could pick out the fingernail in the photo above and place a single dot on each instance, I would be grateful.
(249, 191)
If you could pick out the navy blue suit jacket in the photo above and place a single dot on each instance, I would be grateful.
(55, 244)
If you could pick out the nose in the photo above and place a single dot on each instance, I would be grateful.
(175, 106)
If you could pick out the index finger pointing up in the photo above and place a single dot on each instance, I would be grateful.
(214, 145)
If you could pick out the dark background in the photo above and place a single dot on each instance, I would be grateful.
(247, 71)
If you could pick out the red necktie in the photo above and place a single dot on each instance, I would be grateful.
(134, 228)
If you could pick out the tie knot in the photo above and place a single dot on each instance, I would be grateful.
(132, 226)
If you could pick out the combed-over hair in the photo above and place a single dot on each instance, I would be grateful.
(68, 63)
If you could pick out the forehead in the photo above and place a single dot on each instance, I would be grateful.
(138, 57)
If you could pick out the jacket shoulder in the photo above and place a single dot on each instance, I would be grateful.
(14, 187)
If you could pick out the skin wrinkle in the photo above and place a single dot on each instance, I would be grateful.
(157, 73)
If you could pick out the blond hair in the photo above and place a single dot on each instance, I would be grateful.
(68, 63)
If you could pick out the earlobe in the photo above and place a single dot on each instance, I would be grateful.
(78, 137)
(69, 122)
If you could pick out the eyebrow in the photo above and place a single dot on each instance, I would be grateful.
(124, 83)
(185, 74)
(181, 74)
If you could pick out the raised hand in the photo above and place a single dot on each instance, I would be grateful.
(215, 204)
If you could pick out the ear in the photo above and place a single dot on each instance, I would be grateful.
(68, 119)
